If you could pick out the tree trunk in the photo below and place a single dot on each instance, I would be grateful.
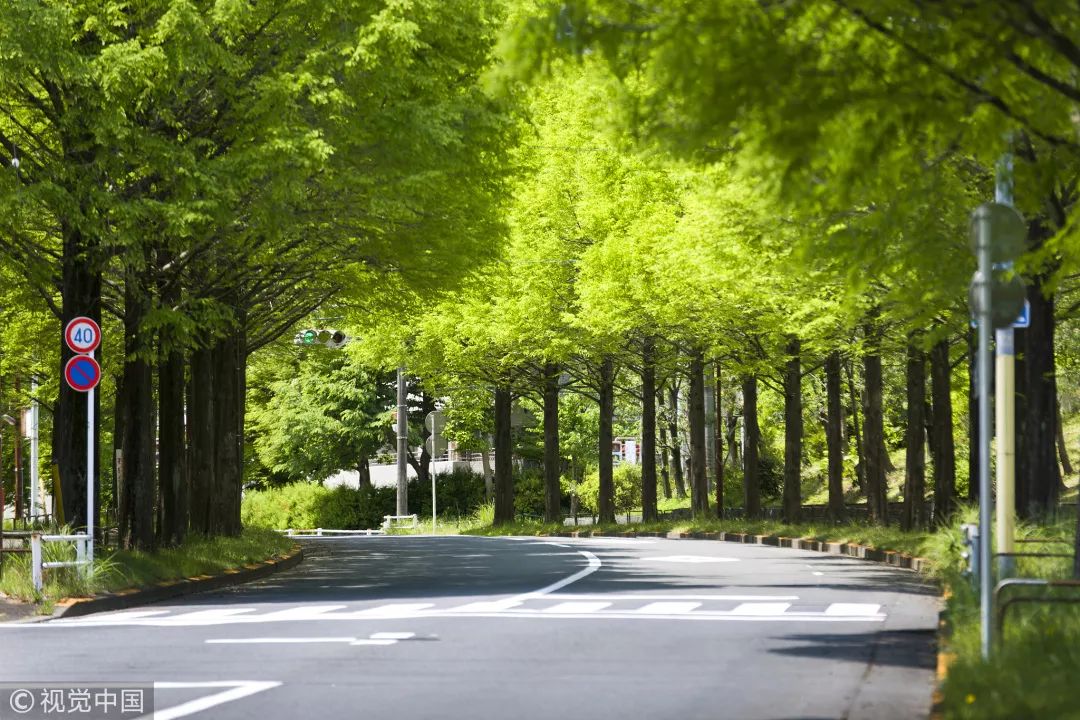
(225, 498)
(203, 440)
(606, 500)
(504, 478)
(80, 295)
(552, 462)
(171, 450)
(20, 486)
(876, 488)
(1041, 478)
(944, 450)
(856, 424)
(138, 441)
(915, 467)
(665, 478)
(1063, 450)
(718, 452)
(363, 471)
(648, 433)
(699, 482)
(751, 482)
(673, 434)
(793, 431)
(834, 437)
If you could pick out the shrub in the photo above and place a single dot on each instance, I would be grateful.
(461, 492)
(627, 479)
(306, 506)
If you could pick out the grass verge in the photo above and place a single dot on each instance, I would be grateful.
(124, 569)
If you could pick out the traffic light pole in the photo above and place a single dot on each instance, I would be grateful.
(402, 445)
(982, 219)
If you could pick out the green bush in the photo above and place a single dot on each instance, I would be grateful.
(306, 506)
(529, 494)
(627, 479)
(460, 493)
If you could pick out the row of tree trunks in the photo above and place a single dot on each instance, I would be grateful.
(1038, 479)
(172, 475)
(793, 431)
(552, 462)
(834, 436)
(201, 450)
(699, 483)
(504, 480)
(649, 511)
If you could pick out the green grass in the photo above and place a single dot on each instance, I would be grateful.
(123, 569)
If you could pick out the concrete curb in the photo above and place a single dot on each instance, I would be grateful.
(168, 589)
(861, 552)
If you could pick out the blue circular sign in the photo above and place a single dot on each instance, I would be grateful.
(82, 373)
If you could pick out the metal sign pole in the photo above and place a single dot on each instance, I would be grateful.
(402, 445)
(434, 445)
(35, 485)
(90, 480)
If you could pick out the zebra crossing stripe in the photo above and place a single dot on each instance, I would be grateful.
(577, 607)
(668, 608)
(852, 609)
(761, 609)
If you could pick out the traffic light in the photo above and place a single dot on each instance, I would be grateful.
(333, 339)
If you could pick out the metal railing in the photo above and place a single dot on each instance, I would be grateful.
(38, 566)
(391, 522)
(323, 532)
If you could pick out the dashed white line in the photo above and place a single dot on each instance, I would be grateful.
(669, 608)
(577, 607)
(761, 609)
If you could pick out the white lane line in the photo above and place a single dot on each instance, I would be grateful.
(392, 635)
(700, 616)
(613, 541)
(593, 566)
(278, 641)
(374, 642)
(668, 608)
(577, 607)
(235, 690)
(818, 573)
(692, 559)
(852, 609)
(487, 606)
(615, 596)
(761, 609)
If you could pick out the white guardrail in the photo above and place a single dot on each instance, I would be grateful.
(323, 532)
(38, 567)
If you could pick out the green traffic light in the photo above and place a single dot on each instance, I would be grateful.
(309, 337)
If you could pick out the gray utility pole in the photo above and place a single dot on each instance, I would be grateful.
(402, 445)
(982, 236)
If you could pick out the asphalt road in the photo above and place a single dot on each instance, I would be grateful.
(473, 628)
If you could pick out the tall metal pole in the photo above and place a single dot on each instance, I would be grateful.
(434, 444)
(35, 415)
(985, 429)
(1005, 403)
(90, 479)
(402, 445)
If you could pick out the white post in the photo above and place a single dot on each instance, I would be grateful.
(35, 559)
(35, 508)
(90, 479)
(1005, 391)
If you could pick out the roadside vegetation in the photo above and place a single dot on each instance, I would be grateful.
(122, 569)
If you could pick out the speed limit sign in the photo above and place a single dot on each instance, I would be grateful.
(82, 335)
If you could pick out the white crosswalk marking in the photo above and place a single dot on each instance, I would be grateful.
(492, 606)
(761, 609)
(213, 614)
(391, 611)
(669, 608)
(852, 609)
(304, 612)
(577, 607)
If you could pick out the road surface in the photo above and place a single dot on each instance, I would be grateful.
(465, 628)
